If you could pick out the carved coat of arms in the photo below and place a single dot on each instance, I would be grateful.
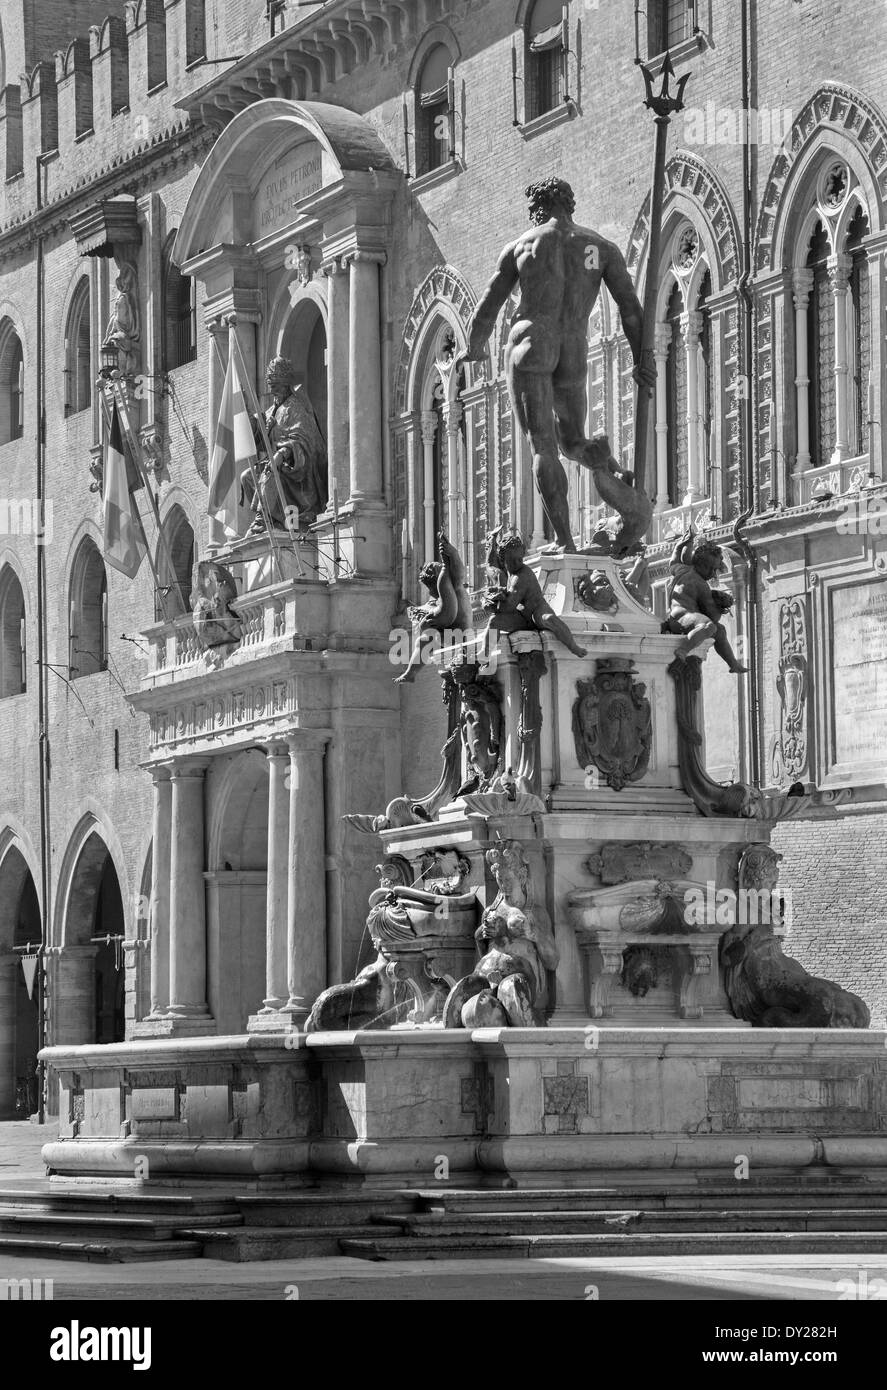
(612, 723)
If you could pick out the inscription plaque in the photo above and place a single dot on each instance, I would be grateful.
(859, 628)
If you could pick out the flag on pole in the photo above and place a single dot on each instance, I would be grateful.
(123, 534)
(29, 970)
(233, 451)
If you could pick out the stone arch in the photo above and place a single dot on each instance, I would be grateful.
(431, 37)
(251, 142)
(237, 873)
(694, 189)
(302, 335)
(238, 820)
(93, 903)
(446, 292)
(176, 559)
(93, 823)
(836, 118)
(20, 925)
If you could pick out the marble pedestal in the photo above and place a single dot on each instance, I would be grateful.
(571, 1107)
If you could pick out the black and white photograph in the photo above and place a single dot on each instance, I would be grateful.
(443, 671)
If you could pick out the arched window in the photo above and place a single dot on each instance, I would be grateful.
(88, 613)
(175, 564)
(544, 59)
(706, 379)
(78, 352)
(821, 350)
(12, 635)
(12, 384)
(859, 332)
(676, 396)
(435, 113)
(179, 314)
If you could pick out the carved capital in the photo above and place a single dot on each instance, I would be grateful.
(428, 426)
(661, 339)
(802, 284)
(691, 326)
(839, 267)
(362, 256)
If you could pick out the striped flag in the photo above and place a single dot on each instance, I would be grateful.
(123, 534)
(233, 451)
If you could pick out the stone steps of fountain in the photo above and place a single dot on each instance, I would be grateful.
(759, 1194)
(112, 1227)
(478, 1246)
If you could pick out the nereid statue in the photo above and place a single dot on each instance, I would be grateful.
(509, 984)
(299, 453)
(447, 608)
(557, 267)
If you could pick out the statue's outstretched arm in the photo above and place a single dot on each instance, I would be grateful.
(491, 301)
(621, 287)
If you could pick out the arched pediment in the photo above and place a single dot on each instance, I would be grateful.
(274, 157)
(444, 292)
(694, 190)
(836, 119)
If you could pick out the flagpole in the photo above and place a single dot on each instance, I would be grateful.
(266, 517)
(160, 588)
(248, 386)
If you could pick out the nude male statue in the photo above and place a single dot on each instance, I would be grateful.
(558, 267)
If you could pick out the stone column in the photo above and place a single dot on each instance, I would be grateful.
(338, 426)
(428, 425)
(73, 996)
(276, 911)
(306, 904)
(802, 284)
(187, 898)
(365, 375)
(9, 964)
(661, 343)
(218, 357)
(160, 883)
(455, 494)
(839, 277)
(691, 329)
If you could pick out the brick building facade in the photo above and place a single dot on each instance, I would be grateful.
(770, 332)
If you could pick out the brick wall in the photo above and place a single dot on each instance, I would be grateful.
(835, 870)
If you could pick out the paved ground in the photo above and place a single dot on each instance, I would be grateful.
(839, 1277)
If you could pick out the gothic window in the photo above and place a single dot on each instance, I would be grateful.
(12, 381)
(12, 635)
(544, 58)
(78, 352)
(676, 399)
(707, 395)
(179, 314)
(821, 351)
(435, 113)
(88, 613)
(175, 564)
(859, 332)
